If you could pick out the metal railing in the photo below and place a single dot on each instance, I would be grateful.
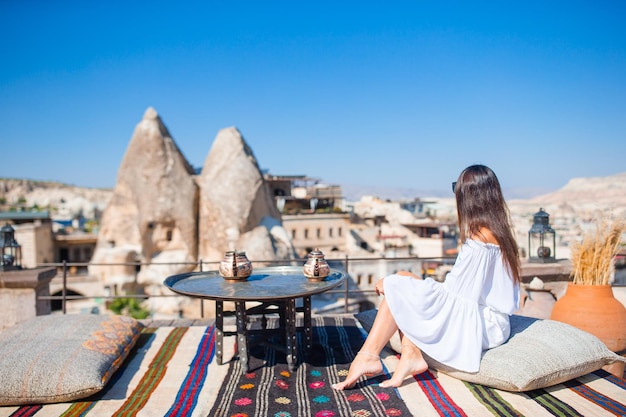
(348, 265)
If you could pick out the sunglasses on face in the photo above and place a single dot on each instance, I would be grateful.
(453, 186)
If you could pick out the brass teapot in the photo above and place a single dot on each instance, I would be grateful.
(316, 268)
(235, 266)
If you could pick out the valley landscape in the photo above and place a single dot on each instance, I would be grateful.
(573, 209)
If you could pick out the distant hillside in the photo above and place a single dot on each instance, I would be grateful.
(611, 189)
(582, 197)
(579, 197)
(60, 199)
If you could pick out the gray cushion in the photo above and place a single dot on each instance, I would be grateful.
(60, 358)
(538, 354)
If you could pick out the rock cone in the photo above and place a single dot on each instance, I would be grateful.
(236, 209)
(152, 214)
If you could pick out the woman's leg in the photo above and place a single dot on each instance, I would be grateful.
(367, 361)
(411, 362)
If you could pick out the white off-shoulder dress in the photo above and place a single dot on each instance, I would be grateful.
(456, 320)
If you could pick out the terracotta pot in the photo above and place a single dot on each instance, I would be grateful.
(594, 309)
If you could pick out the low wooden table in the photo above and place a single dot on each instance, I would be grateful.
(280, 285)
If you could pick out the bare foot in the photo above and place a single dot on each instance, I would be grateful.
(411, 363)
(364, 363)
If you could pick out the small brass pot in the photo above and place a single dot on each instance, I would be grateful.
(316, 268)
(235, 266)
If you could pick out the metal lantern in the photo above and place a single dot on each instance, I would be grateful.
(541, 239)
(11, 250)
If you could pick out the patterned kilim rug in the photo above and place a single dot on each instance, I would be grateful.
(270, 389)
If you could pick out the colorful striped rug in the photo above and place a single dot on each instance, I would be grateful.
(436, 394)
(172, 372)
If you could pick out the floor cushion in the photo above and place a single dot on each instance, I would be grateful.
(58, 358)
(538, 354)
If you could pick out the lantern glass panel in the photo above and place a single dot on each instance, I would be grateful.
(541, 239)
(10, 250)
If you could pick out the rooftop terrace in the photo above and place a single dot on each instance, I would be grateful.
(172, 370)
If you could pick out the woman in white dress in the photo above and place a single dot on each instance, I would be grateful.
(456, 320)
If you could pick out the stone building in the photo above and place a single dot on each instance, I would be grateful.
(325, 231)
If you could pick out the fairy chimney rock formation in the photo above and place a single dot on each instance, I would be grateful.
(153, 211)
(236, 209)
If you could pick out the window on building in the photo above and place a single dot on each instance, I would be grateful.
(168, 235)
(293, 233)
(339, 231)
(358, 279)
(370, 278)
(319, 233)
(330, 232)
(306, 233)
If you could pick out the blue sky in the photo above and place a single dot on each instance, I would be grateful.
(400, 94)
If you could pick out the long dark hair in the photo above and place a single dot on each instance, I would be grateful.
(479, 203)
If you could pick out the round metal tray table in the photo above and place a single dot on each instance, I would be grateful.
(280, 285)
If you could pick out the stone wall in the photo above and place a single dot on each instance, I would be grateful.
(19, 292)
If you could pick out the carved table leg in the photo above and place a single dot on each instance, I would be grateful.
(290, 327)
(242, 335)
(219, 337)
(308, 330)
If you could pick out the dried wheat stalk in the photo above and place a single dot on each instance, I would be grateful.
(592, 258)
